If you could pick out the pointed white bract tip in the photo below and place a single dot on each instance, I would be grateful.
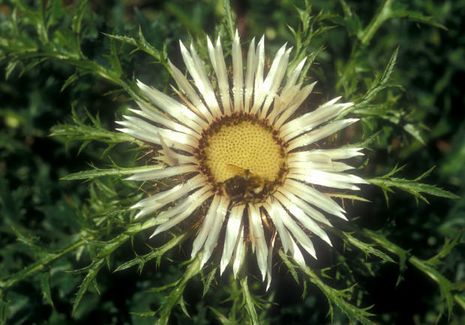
(173, 67)
(182, 47)
(209, 42)
(335, 100)
(268, 283)
(130, 178)
(194, 253)
(140, 214)
(328, 241)
(341, 214)
(140, 84)
(156, 232)
(331, 102)
(236, 35)
(120, 123)
(192, 48)
(134, 110)
(204, 260)
(354, 179)
(358, 151)
(135, 206)
(222, 267)
(173, 87)
(218, 41)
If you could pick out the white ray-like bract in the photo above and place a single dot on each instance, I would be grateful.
(240, 201)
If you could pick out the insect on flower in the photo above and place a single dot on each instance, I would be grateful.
(245, 186)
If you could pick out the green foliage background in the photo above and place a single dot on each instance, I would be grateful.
(69, 250)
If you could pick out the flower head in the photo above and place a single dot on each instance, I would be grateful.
(245, 162)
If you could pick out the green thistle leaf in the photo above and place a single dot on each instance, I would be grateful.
(387, 183)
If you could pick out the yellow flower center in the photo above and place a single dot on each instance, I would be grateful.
(241, 145)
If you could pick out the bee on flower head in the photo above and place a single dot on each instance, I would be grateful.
(245, 185)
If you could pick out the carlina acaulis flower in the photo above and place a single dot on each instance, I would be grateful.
(239, 151)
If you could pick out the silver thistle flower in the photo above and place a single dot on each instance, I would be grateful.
(244, 155)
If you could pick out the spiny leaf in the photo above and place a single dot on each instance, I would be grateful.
(163, 287)
(98, 172)
(71, 79)
(291, 267)
(11, 66)
(445, 286)
(79, 130)
(428, 267)
(207, 280)
(338, 298)
(460, 299)
(229, 20)
(142, 45)
(143, 314)
(155, 253)
(79, 14)
(182, 304)
(3, 309)
(45, 286)
(381, 82)
(448, 246)
(368, 249)
(175, 296)
(389, 246)
(415, 132)
(249, 302)
(89, 279)
(351, 21)
(221, 317)
(417, 17)
(113, 60)
(387, 183)
(38, 266)
(26, 237)
(351, 197)
(307, 30)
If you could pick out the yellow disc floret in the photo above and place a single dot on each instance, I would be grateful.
(242, 145)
